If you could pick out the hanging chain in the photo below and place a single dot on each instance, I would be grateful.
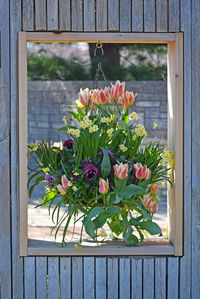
(99, 70)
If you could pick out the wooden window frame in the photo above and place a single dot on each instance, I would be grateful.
(174, 245)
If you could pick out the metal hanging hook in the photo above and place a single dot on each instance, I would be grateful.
(99, 45)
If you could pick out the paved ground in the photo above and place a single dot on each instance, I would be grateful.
(40, 224)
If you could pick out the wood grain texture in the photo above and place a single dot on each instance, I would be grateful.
(28, 15)
(113, 15)
(77, 15)
(149, 15)
(17, 261)
(173, 15)
(160, 278)
(125, 16)
(53, 277)
(41, 277)
(89, 15)
(113, 278)
(40, 15)
(148, 278)
(65, 277)
(172, 282)
(136, 278)
(101, 281)
(64, 15)
(5, 234)
(185, 261)
(52, 15)
(195, 146)
(161, 15)
(101, 15)
(29, 278)
(124, 278)
(77, 277)
(137, 15)
(89, 277)
(104, 37)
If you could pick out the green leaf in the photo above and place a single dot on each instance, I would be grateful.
(102, 110)
(93, 212)
(90, 228)
(100, 220)
(131, 190)
(128, 233)
(150, 227)
(105, 165)
(133, 240)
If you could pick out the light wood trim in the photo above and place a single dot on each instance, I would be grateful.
(175, 141)
(22, 49)
(152, 250)
(103, 37)
(175, 129)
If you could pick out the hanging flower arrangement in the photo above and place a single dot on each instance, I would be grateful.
(102, 171)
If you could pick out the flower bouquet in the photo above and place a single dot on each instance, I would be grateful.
(102, 174)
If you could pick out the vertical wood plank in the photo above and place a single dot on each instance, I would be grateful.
(173, 15)
(136, 270)
(161, 15)
(112, 278)
(77, 15)
(65, 277)
(195, 149)
(172, 282)
(17, 261)
(52, 15)
(88, 275)
(160, 278)
(40, 14)
(148, 278)
(64, 15)
(137, 15)
(124, 275)
(113, 15)
(149, 15)
(89, 15)
(28, 15)
(101, 15)
(77, 277)
(125, 16)
(53, 277)
(5, 234)
(41, 277)
(101, 278)
(29, 277)
(185, 261)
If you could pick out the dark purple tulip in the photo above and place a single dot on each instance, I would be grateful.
(68, 143)
(108, 151)
(90, 171)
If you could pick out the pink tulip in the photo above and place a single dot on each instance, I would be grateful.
(102, 97)
(154, 207)
(64, 181)
(84, 96)
(141, 172)
(61, 189)
(146, 201)
(121, 171)
(127, 99)
(117, 89)
(103, 186)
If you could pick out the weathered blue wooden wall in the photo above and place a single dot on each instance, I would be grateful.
(98, 277)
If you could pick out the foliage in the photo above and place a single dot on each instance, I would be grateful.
(103, 171)
(140, 62)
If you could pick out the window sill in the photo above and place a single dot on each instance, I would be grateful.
(148, 248)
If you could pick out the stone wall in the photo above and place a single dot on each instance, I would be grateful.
(49, 101)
